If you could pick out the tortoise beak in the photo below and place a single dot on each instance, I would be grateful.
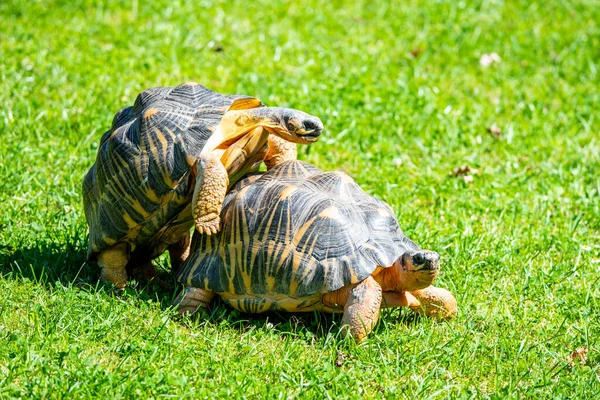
(310, 130)
(425, 260)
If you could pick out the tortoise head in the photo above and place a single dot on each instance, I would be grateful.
(416, 270)
(293, 125)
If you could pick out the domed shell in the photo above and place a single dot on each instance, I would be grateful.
(295, 230)
(141, 180)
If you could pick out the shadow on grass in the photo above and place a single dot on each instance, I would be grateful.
(310, 326)
(65, 264)
(48, 264)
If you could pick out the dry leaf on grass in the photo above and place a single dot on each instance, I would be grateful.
(465, 172)
(579, 356)
(339, 361)
(416, 52)
(495, 131)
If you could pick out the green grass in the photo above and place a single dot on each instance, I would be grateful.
(404, 101)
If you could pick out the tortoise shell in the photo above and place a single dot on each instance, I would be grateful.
(295, 230)
(139, 189)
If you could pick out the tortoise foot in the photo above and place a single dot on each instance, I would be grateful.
(435, 302)
(116, 276)
(191, 300)
(112, 262)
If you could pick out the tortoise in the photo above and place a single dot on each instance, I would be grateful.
(165, 165)
(299, 239)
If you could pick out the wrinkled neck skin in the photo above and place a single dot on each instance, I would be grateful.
(402, 277)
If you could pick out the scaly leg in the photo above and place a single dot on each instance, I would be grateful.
(192, 299)
(361, 311)
(209, 193)
(435, 302)
(113, 262)
(178, 252)
(280, 150)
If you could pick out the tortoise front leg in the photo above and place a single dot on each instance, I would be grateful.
(113, 262)
(209, 193)
(192, 299)
(361, 311)
(435, 302)
(280, 150)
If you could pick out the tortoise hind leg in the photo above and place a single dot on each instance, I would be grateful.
(192, 299)
(179, 252)
(361, 311)
(113, 262)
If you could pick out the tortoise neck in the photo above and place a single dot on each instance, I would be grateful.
(388, 278)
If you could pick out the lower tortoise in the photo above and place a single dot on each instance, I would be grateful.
(299, 239)
(166, 164)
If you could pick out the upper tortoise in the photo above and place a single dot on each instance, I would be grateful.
(166, 164)
(298, 239)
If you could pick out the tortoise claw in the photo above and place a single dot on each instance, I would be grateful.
(209, 227)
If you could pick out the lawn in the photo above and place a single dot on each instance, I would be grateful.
(496, 167)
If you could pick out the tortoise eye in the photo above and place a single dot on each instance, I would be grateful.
(419, 259)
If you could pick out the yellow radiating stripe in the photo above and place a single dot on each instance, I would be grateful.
(297, 258)
(174, 137)
(330, 212)
(197, 262)
(302, 230)
(267, 225)
(150, 113)
(245, 103)
(301, 167)
(109, 241)
(161, 138)
(285, 193)
(353, 276)
(310, 267)
(152, 196)
(161, 155)
(137, 206)
(231, 266)
(129, 221)
(269, 271)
